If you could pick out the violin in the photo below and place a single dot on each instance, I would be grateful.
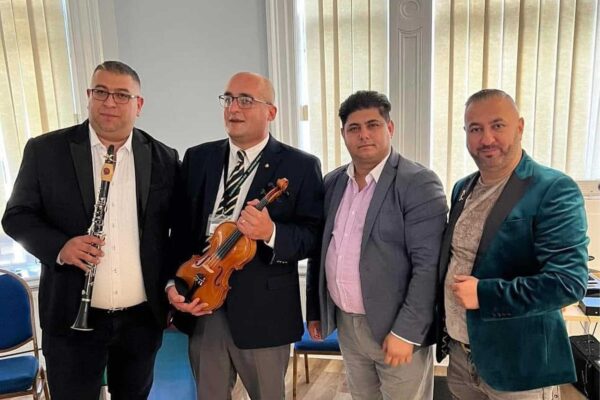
(229, 251)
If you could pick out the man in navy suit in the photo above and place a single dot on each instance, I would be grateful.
(49, 212)
(251, 334)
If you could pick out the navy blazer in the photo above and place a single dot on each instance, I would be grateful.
(53, 200)
(263, 305)
(531, 262)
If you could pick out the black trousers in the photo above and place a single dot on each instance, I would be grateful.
(124, 342)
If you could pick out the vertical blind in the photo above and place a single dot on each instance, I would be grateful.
(541, 53)
(346, 50)
(35, 79)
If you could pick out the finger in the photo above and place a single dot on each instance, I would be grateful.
(462, 278)
(253, 202)
(90, 239)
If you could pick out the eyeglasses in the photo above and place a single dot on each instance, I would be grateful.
(243, 101)
(119, 98)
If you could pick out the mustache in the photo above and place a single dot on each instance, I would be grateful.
(485, 148)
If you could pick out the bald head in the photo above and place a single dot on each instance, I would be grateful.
(485, 94)
(262, 84)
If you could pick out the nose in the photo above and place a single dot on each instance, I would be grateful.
(234, 106)
(487, 137)
(364, 133)
(110, 100)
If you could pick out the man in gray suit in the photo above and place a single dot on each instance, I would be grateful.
(376, 277)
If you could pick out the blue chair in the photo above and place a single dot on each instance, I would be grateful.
(329, 346)
(20, 370)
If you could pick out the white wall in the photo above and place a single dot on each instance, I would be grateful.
(185, 51)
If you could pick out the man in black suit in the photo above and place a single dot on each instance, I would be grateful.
(49, 211)
(251, 334)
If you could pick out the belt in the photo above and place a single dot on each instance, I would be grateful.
(122, 310)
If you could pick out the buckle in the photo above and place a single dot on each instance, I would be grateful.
(114, 310)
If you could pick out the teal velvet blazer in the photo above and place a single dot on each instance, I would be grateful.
(531, 262)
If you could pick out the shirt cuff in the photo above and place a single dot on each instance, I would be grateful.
(271, 242)
(58, 260)
(170, 282)
(407, 341)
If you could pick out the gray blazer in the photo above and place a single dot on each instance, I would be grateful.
(399, 251)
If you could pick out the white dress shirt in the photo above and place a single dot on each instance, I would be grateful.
(119, 282)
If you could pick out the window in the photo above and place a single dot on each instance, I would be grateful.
(343, 48)
(545, 54)
(35, 80)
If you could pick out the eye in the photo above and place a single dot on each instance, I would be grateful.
(373, 125)
(498, 126)
(122, 96)
(101, 93)
(475, 129)
(245, 100)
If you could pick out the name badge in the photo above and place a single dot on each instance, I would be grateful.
(215, 220)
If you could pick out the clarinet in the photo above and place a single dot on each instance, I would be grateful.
(97, 230)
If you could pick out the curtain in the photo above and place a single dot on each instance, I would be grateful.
(542, 53)
(346, 49)
(35, 79)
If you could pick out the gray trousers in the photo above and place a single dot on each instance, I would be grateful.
(216, 361)
(465, 384)
(369, 378)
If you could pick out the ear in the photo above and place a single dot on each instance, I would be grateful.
(272, 110)
(521, 126)
(390, 127)
(140, 104)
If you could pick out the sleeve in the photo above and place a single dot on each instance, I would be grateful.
(299, 237)
(425, 212)
(560, 248)
(23, 218)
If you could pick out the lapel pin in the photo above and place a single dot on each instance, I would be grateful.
(267, 165)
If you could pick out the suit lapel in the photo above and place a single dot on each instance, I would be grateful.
(455, 212)
(383, 184)
(512, 193)
(81, 154)
(142, 156)
(264, 171)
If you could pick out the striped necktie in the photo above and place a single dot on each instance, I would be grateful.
(232, 187)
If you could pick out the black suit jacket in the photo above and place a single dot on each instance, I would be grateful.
(263, 305)
(53, 200)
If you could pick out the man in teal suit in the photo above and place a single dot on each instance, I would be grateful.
(514, 253)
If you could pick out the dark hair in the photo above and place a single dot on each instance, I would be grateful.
(364, 99)
(119, 68)
(485, 94)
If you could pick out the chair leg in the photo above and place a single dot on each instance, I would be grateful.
(306, 367)
(295, 375)
(45, 384)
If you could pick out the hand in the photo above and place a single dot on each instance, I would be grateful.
(178, 301)
(465, 291)
(314, 330)
(256, 225)
(397, 351)
(81, 249)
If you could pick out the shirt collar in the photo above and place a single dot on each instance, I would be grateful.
(95, 141)
(251, 153)
(374, 174)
